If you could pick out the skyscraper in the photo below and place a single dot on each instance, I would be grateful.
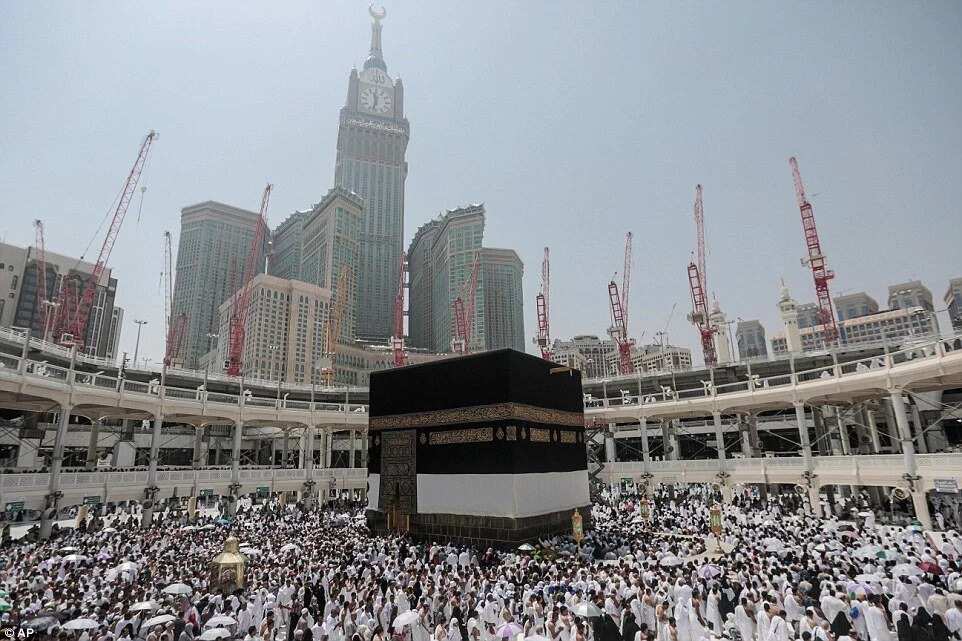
(501, 271)
(421, 286)
(330, 244)
(215, 240)
(285, 261)
(458, 242)
(372, 140)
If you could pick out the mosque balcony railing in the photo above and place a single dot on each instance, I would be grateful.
(907, 355)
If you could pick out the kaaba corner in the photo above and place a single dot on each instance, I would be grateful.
(486, 449)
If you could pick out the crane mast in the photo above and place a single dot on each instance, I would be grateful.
(618, 305)
(397, 340)
(242, 299)
(333, 330)
(74, 308)
(464, 306)
(698, 284)
(42, 301)
(816, 260)
(543, 339)
(175, 327)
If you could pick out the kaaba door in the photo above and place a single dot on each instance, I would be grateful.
(399, 481)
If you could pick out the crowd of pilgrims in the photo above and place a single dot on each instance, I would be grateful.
(649, 575)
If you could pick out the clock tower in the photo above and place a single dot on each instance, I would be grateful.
(372, 139)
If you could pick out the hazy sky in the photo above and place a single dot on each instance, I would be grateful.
(573, 122)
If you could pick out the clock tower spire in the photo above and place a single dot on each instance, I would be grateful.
(371, 143)
(375, 58)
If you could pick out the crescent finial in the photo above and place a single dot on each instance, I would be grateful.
(377, 14)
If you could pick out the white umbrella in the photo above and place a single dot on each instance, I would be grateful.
(868, 578)
(144, 605)
(668, 561)
(709, 571)
(589, 610)
(509, 630)
(213, 634)
(526, 547)
(81, 624)
(250, 551)
(127, 566)
(74, 558)
(774, 546)
(537, 638)
(109, 530)
(159, 620)
(178, 588)
(68, 549)
(405, 618)
(220, 619)
(906, 569)
(288, 547)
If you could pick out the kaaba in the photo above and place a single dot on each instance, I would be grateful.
(486, 449)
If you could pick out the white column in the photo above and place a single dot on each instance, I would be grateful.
(351, 435)
(873, 431)
(645, 452)
(235, 452)
(199, 447)
(905, 433)
(667, 451)
(286, 448)
(56, 464)
(719, 435)
(917, 421)
(309, 452)
(328, 446)
(803, 433)
(154, 452)
(610, 451)
(92, 444)
(743, 429)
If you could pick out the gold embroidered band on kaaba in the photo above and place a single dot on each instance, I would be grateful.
(477, 413)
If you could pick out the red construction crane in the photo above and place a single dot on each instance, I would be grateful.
(698, 283)
(74, 308)
(397, 340)
(333, 330)
(42, 304)
(464, 306)
(242, 299)
(543, 339)
(176, 327)
(816, 259)
(618, 303)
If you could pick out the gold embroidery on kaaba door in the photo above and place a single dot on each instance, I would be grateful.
(540, 435)
(399, 485)
(568, 437)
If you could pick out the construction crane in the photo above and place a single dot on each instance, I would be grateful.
(618, 304)
(43, 304)
(543, 339)
(74, 307)
(242, 299)
(397, 340)
(464, 306)
(176, 327)
(698, 283)
(333, 330)
(816, 260)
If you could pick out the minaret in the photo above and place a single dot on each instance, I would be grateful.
(717, 320)
(788, 309)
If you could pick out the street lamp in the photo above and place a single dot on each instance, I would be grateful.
(140, 325)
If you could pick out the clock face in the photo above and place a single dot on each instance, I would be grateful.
(376, 100)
